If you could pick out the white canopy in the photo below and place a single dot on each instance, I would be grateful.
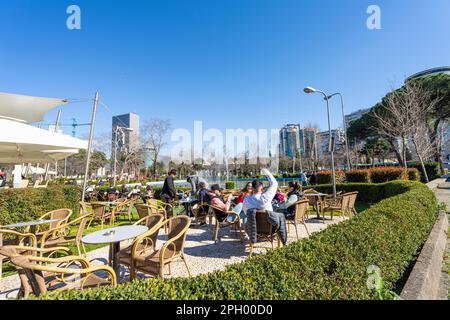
(26, 108)
(35, 170)
(23, 143)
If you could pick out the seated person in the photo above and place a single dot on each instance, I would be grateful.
(259, 200)
(294, 195)
(247, 191)
(215, 198)
(112, 194)
(135, 193)
(203, 193)
(278, 199)
(148, 194)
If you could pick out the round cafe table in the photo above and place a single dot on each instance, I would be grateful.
(31, 224)
(114, 236)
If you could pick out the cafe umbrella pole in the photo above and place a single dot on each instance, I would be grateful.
(91, 137)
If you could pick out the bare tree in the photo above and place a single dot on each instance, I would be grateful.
(403, 116)
(153, 135)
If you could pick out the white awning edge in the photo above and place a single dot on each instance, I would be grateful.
(27, 108)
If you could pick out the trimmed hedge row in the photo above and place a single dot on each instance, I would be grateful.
(17, 205)
(324, 177)
(374, 175)
(329, 265)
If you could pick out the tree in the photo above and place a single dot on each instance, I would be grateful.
(153, 135)
(438, 89)
(76, 164)
(404, 115)
(376, 148)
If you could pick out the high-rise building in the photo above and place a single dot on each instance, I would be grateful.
(355, 115)
(291, 140)
(324, 140)
(126, 127)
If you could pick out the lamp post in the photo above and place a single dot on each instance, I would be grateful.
(89, 150)
(347, 152)
(312, 90)
(116, 132)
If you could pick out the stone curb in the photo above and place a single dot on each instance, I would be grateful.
(424, 280)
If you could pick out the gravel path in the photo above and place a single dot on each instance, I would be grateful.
(202, 254)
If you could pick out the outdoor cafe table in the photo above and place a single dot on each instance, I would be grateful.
(114, 236)
(31, 224)
(319, 197)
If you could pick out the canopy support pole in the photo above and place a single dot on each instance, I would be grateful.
(91, 137)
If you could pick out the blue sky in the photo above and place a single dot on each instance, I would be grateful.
(230, 63)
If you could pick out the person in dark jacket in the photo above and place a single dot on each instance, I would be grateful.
(168, 192)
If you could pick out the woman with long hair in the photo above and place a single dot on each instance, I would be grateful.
(247, 191)
(294, 195)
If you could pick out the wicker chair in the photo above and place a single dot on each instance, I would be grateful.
(157, 206)
(265, 231)
(301, 207)
(38, 275)
(351, 203)
(144, 244)
(200, 211)
(340, 204)
(99, 213)
(225, 219)
(85, 208)
(15, 238)
(124, 208)
(144, 210)
(153, 263)
(61, 236)
(62, 215)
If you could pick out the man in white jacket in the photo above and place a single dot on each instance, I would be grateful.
(260, 200)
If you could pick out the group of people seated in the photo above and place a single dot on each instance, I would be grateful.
(253, 196)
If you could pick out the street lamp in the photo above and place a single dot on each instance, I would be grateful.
(116, 132)
(312, 90)
(345, 128)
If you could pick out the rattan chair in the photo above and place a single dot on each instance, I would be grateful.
(338, 204)
(99, 213)
(264, 231)
(301, 207)
(39, 275)
(225, 219)
(62, 235)
(14, 238)
(200, 211)
(124, 208)
(144, 244)
(144, 210)
(153, 263)
(62, 215)
(352, 202)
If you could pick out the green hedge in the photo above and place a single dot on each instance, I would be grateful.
(229, 185)
(326, 177)
(432, 169)
(329, 265)
(358, 176)
(17, 205)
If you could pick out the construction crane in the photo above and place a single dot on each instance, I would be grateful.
(74, 126)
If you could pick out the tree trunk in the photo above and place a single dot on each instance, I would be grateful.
(396, 151)
(438, 151)
(421, 161)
